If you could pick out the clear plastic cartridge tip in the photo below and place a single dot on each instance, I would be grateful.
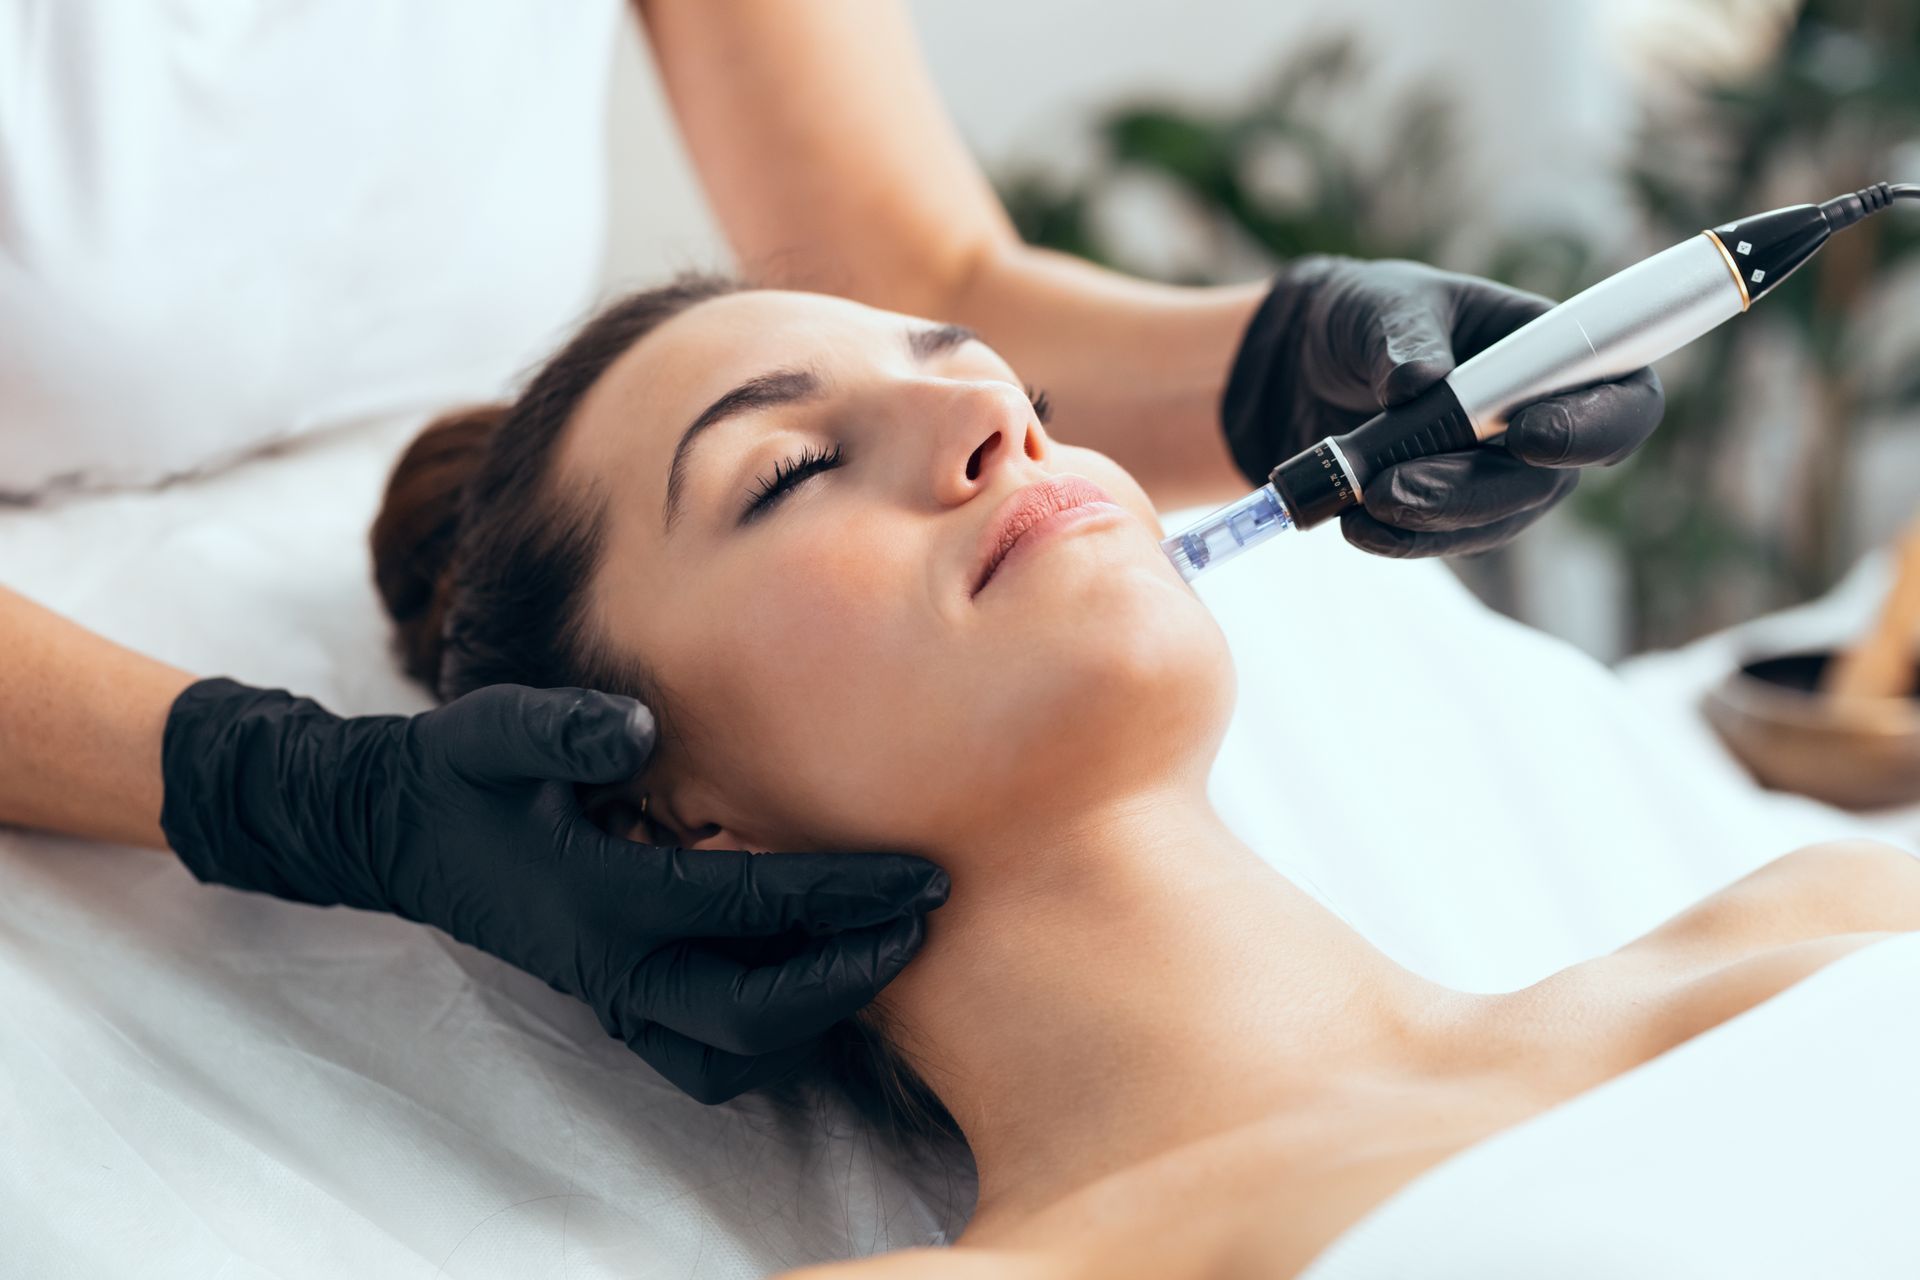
(1227, 532)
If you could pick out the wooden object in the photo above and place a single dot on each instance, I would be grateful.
(1883, 664)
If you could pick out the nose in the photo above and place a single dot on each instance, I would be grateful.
(984, 428)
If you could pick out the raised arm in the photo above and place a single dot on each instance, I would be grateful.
(831, 165)
(80, 726)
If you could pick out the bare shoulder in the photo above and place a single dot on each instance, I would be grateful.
(1736, 949)
(934, 1264)
(1822, 890)
(1733, 948)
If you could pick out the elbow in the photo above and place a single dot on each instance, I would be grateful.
(924, 275)
(969, 275)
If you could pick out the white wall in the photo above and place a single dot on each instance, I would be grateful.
(1538, 93)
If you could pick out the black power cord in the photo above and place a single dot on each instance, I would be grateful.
(1844, 211)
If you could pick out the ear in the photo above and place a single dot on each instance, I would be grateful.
(620, 815)
(615, 810)
(680, 812)
(620, 810)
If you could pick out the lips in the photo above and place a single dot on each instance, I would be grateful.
(1025, 510)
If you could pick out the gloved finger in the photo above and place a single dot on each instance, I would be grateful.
(1407, 345)
(745, 1009)
(1462, 490)
(1369, 534)
(727, 893)
(510, 733)
(1593, 426)
(707, 1074)
(1485, 312)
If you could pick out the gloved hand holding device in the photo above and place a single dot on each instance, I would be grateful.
(1337, 340)
(467, 818)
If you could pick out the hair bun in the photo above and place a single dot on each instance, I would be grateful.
(414, 534)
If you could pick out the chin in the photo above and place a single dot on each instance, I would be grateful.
(1124, 678)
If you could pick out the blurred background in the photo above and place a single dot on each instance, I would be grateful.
(1541, 142)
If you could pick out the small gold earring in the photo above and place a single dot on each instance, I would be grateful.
(643, 805)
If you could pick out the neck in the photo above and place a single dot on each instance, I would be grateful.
(1126, 980)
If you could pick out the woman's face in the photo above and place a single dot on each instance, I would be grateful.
(885, 608)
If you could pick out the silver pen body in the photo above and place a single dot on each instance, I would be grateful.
(1625, 322)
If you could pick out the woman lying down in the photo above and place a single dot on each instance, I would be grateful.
(875, 605)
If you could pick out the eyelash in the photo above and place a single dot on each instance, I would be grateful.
(1042, 405)
(788, 473)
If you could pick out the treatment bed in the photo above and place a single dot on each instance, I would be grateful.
(196, 1082)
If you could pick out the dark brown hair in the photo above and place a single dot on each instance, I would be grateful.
(485, 566)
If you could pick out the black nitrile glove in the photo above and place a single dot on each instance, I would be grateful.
(1337, 340)
(466, 818)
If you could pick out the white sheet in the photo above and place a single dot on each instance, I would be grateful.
(200, 1082)
(1780, 1145)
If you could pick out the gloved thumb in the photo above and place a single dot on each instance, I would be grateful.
(510, 733)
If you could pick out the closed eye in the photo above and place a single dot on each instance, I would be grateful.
(789, 474)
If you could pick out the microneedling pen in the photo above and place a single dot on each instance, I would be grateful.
(1647, 311)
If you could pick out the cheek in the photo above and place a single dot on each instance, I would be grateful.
(804, 666)
(835, 704)
(1113, 673)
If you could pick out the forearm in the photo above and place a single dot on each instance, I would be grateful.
(1134, 369)
(831, 165)
(80, 726)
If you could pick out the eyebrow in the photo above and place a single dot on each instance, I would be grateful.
(785, 386)
(925, 344)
